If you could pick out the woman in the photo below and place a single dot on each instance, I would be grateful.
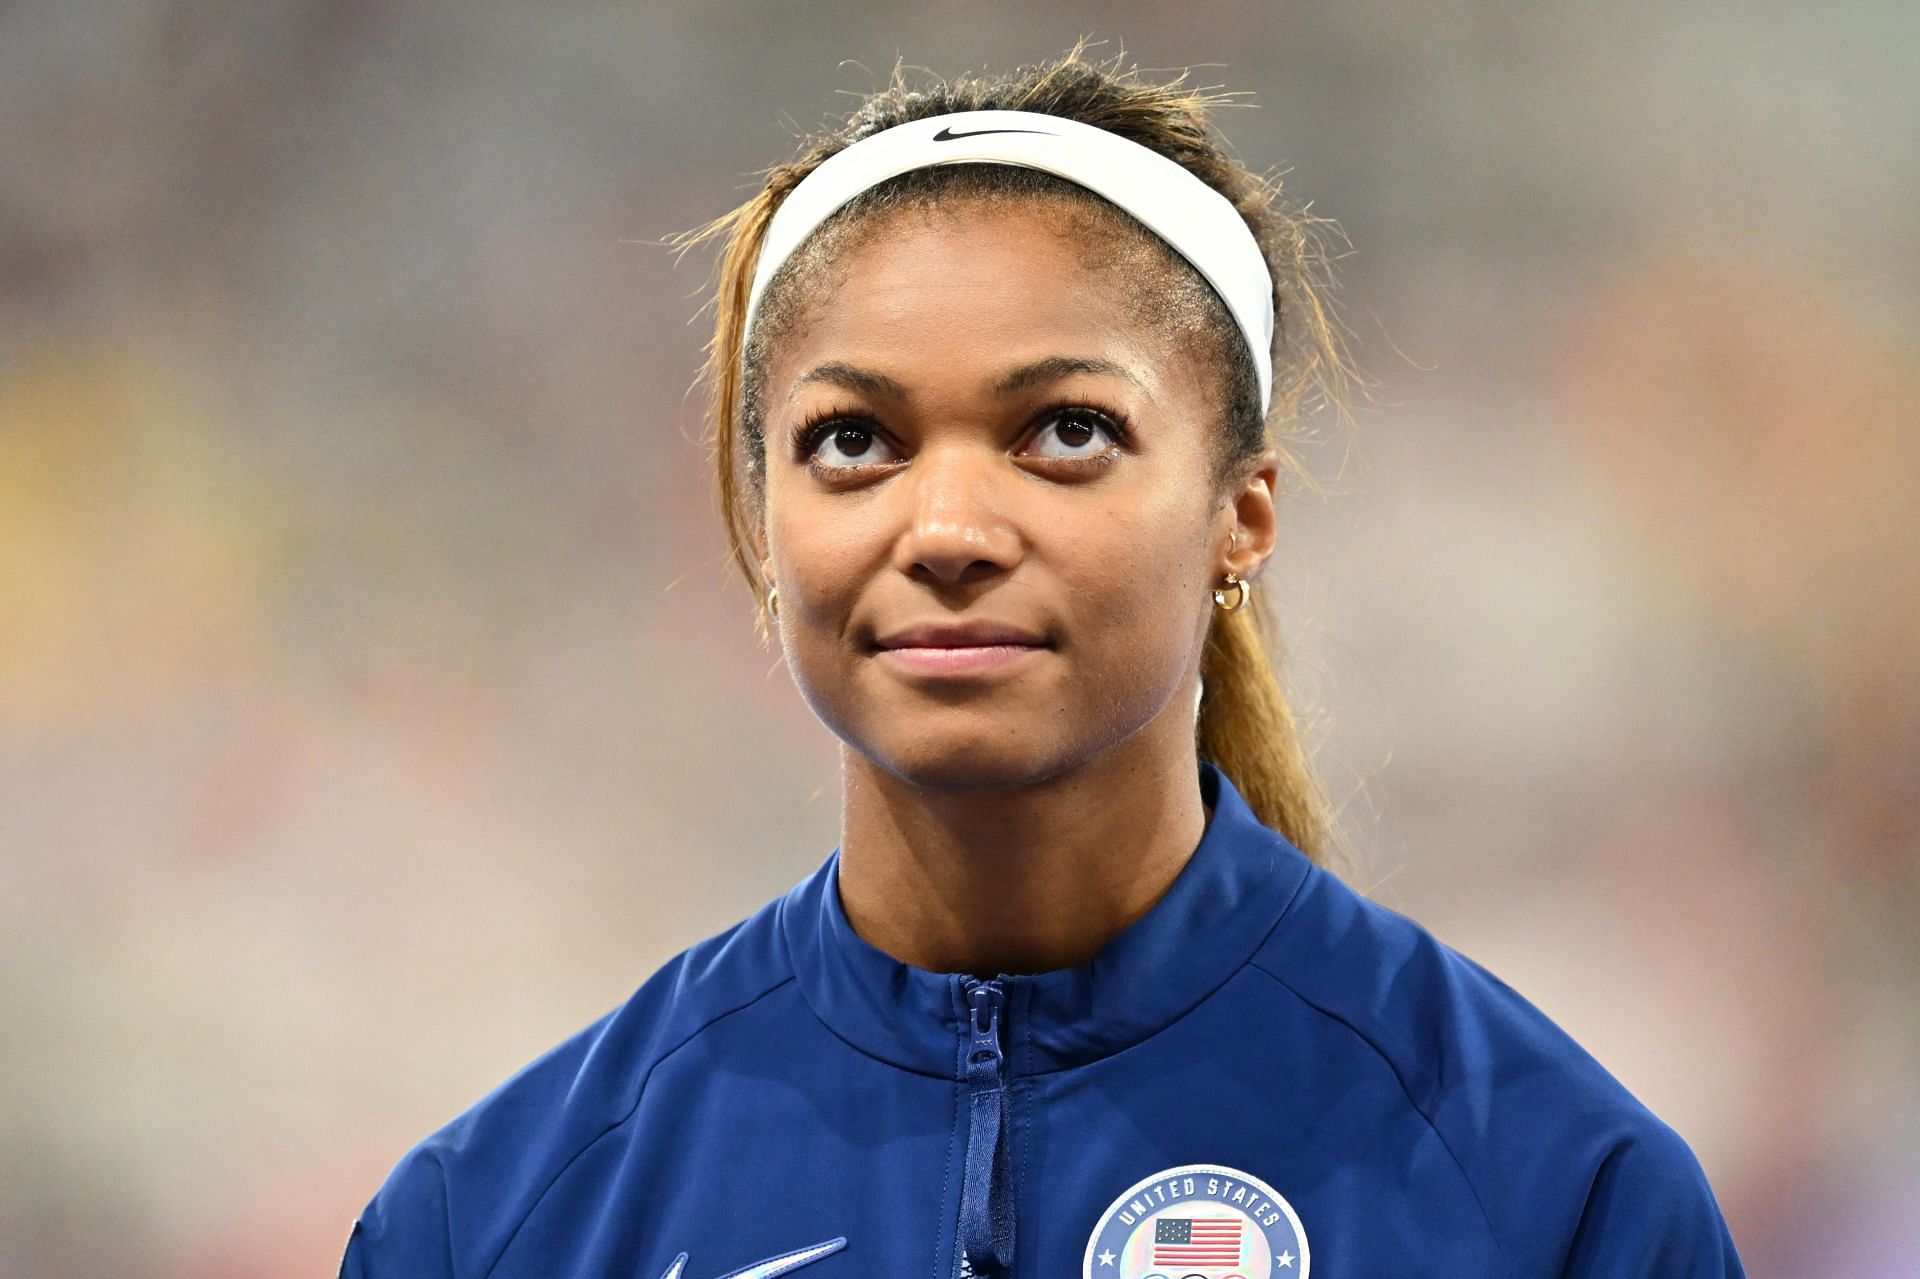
(992, 384)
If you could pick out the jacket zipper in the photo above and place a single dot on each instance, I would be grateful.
(985, 1237)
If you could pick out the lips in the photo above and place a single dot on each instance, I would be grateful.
(958, 648)
(956, 634)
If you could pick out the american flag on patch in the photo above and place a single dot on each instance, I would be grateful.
(1196, 1241)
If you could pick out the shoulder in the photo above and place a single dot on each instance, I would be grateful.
(1552, 1145)
(454, 1200)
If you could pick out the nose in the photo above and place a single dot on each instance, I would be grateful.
(957, 529)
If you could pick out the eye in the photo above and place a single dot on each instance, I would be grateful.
(1075, 433)
(848, 443)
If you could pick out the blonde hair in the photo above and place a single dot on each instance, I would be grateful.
(1246, 726)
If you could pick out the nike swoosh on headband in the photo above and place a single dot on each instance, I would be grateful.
(948, 135)
(772, 1266)
(1198, 222)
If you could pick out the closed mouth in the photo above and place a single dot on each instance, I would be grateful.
(958, 635)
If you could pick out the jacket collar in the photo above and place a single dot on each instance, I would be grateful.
(1223, 904)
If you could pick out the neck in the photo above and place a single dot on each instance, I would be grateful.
(1019, 879)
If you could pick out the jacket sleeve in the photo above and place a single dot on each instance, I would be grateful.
(404, 1233)
(1651, 1215)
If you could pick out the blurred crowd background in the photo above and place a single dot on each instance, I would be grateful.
(375, 708)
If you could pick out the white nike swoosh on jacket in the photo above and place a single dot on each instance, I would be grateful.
(772, 1266)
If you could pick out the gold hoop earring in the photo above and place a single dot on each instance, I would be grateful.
(1241, 591)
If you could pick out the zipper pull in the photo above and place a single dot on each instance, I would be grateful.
(984, 1057)
(986, 1189)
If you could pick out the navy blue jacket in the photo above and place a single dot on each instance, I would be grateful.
(1266, 1076)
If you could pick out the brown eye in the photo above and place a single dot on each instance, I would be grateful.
(1075, 433)
(850, 444)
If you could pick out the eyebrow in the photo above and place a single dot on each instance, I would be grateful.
(852, 377)
(1056, 367)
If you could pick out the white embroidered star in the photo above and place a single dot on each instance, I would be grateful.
(1283, 1259)
(1106, 1258)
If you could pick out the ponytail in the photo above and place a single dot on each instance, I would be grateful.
(1248, 731)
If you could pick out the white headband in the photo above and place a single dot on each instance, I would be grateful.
(1197, 221)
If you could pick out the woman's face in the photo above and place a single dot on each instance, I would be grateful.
(990, 507)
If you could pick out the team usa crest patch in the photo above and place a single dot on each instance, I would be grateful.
(1201, 1221)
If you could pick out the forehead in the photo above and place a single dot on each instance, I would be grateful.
(978, 284)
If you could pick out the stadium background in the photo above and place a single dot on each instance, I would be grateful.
(375, 711)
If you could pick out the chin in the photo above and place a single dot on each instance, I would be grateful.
(998, 739)
(957, 762)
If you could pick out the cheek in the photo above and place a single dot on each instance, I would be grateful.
(823, 560)
(1138, 585)
(819, 557)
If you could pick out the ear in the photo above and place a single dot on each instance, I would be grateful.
(1252, 520)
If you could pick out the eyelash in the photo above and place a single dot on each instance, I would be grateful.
(810, 430)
